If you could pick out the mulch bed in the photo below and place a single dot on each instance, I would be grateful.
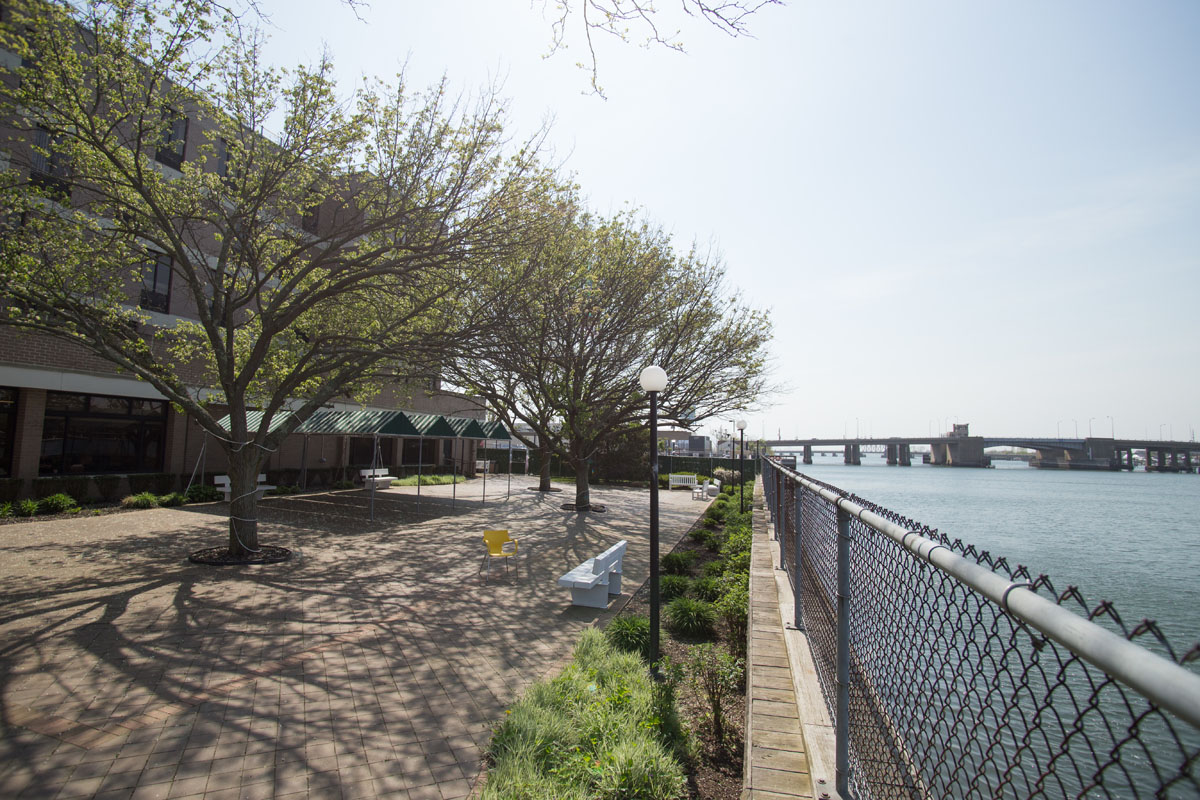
(221, 557)
(717, 773)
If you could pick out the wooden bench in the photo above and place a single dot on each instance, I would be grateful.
(678, 480)
(594, 580)
(222, 482)
(379, 478)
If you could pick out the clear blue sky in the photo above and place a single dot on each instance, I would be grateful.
(977, 212)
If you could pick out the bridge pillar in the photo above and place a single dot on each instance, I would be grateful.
(852, 455)
(808, 454)
(905, 455)
(893, 457)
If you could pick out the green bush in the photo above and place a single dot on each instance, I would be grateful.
(714, 674)
(677, 563)
(151, 482)
(140, 500)
(738, 563)
(57, 504)
(26, 508)
(107, 486)
(202, 493)
(690, 618)
(6, 510)
(734, 609)
(173, 499)
(10, 488)
(672, 586)
(284, 490)
(340, 485)
(707, 589)
(714, 569)
(602, 728)
(737, 540)
(631, 633)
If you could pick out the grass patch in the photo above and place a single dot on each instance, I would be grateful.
(602, 728)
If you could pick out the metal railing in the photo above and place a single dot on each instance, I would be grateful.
(950, 674)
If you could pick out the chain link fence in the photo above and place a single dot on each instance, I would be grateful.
(950, 673)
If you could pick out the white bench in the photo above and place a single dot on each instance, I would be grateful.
(377, 477)
(595, 579)
(681, 480)
(222, 482)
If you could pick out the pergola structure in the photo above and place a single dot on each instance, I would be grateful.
(390, 424)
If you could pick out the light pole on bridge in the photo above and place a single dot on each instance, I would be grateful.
(1090, 426)
(1112, 427)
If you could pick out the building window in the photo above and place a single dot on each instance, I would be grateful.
(419, 451)
(311, 219)
(172, 145)
(89, 434)
(156, 283)
(49, 168)
(8, 428)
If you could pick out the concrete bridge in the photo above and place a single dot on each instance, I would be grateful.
(960, 449)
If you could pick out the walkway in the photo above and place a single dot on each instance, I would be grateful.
(789, 744)
(372, 665)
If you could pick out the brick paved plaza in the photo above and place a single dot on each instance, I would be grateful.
(373, 664)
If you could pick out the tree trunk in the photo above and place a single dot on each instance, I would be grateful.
(243, 501)
(583, 494)
(544, 475)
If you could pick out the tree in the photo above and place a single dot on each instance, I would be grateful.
(627, 20)
(605, 298)
(325, 261)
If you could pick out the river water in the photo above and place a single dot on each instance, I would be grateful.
(1129, 537)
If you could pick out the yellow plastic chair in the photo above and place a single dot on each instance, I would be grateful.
(495, 541)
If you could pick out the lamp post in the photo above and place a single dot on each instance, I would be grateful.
(1112, 427)
(741, 426)
(1090, 426)
(653, 380)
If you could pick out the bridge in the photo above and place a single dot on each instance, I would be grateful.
(960, 449)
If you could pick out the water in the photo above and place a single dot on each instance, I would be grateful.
(1132, 538)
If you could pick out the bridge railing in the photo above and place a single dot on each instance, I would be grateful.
(949, 673)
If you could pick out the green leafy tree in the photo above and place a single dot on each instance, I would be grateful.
(601, 299)
(314, 246)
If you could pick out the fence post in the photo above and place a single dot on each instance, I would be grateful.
(779, 495)
(842, 722)
(796, 576)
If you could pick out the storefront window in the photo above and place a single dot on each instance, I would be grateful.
(8, 424)
(89, 434)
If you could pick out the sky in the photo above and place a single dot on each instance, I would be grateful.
(983, 213)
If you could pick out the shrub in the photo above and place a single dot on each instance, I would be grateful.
(630, 633)
(715, 512)
(734, 609)
(57, 504)
(108, 486)
(140, 500)
(715, 674)
(672, 586)
(726, 476)
(340, 485)
(690, 618)
(637, 768)
(737, 540)
(173, 499)
(714, 569)
(739, 563)
(26, 508)
(10, 488)
(677, 563)
(151, 482)
(202, 493)
(6, 510)
(707, 589)
(284, 490)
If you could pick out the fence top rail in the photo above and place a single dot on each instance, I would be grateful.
(1160, 680)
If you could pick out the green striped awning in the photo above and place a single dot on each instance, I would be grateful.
(359, 423)
(254, 421)
(431, 425)
(496, 430)
(467, 427)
